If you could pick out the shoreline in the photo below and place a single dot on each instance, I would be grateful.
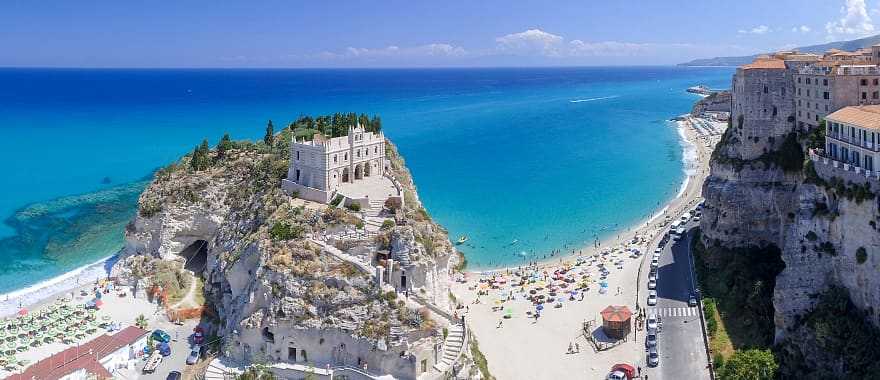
(695, 172)
(11, 302)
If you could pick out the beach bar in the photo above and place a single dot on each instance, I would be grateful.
(616, 321)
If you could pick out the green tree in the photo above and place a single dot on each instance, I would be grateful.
(751, 364)
(269, 139)
(223, 146)
(200, 159)
(257, 372)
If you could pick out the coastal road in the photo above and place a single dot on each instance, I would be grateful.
(680, 341)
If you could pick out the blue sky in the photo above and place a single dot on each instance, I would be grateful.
(327, 33)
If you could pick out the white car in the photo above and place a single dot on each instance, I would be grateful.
(652, 277)
(652, 298)
(653, 357)
(655, 262)
(657, 252)
(652, 285)
(652, 322)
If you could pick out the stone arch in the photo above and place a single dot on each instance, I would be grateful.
(367, 169)
(345, 175)
(358, 172)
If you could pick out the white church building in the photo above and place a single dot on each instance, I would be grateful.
(353, 166)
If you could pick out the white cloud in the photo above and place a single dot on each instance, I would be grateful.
(801, 29)
(855, 21)
(526, 45)
(529, 42)
(760, 29)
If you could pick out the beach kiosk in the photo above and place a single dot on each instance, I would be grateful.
(616, 321)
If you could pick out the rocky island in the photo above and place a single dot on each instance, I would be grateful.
(349, 286)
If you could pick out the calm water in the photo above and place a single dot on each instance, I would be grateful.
(523, 161)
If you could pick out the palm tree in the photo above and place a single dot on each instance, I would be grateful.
(141, 322)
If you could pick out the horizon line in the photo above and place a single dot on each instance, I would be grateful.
(334, 67)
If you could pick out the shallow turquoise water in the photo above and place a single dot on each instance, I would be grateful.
(523, 161)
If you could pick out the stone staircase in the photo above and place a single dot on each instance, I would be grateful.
(219, 369)
(452, 348)
(375, 207)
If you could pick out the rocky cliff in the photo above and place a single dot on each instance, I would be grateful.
(716, 102)
(764, 191)
(281, 272)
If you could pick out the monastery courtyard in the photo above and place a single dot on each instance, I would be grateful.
(375, 187)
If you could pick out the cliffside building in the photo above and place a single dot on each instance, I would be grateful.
(823, 89)
(320, 167)
(852, 135)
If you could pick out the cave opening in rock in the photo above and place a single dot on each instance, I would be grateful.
(196, 255)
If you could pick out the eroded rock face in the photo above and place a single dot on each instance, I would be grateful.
(752, 202)
(273, 288)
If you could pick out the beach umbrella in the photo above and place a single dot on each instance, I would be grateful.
(539, 307)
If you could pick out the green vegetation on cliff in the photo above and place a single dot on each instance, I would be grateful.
(840, 340)
(334, 125)
(737, 287)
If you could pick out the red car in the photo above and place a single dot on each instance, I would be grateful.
(198, 335)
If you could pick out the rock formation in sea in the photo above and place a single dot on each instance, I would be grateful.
(281, 294)
(764, 194)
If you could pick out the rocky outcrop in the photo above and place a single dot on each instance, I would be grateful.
(279, 293)
(716, 102)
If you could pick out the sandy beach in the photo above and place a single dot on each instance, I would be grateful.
(521, 346)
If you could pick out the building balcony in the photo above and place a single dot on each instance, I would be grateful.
(827, 167)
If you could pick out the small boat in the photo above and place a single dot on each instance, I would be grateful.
(462, 239)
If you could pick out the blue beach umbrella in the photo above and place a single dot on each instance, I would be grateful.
(539, 307)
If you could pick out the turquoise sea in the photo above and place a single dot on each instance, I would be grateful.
(523, 161)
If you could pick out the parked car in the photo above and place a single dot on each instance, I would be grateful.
(651, 340)
(193, 357)
(652, 285)
(161, 336)
(655, 262)
(621, 372)
(652, 323)
(697, 218)
(173, 375)
(652, 276)
(653, 357)
(692, 300)
(652, 298)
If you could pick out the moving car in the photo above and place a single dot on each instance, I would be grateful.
(652, 298)
(173, 375)
(653, 357)
(692, 300)
(652, 284)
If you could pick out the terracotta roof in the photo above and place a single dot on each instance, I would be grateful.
(861, 116)
(775, 64)
(85, 356)
(616, 314)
